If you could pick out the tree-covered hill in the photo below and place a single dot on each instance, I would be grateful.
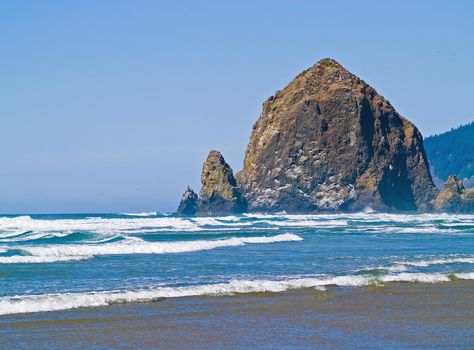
(452, 153)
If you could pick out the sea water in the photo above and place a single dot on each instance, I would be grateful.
(61, 262)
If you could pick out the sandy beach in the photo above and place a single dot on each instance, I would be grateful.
(396, 316)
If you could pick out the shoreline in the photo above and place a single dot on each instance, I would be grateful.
(397, 315)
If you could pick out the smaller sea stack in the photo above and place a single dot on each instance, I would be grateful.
(219, 192)
(189, 203)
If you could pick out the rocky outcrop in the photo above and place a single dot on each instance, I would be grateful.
(189, 203)
(219, 192)
(330, 142)
(454, 197)
(327, 142)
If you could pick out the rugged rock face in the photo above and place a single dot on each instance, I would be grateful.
(219, 193)
(455, 198)
(329, 141)
(189, 203)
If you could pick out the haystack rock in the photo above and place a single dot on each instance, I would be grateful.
(330, 142)
(189, 203)
(219, 192)
(455, 198)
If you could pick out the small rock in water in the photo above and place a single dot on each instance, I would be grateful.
(189, 203)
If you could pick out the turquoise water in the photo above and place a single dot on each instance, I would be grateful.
(60, 262)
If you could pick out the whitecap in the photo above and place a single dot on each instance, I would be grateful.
(446, 261)
(134, 245)
(465, 275)
(139, 223)
(390, 268)
(217, 221)
(308, 223)
(11, 227)
(52, 302)
(27, 259)
(416, 277)
(151, 213)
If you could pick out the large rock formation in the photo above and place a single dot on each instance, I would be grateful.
(189, 203)
(455, 198)
(219, 192)
(329, 141)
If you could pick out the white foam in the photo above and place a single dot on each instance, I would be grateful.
(52, 302)
(232, 218)
(465, 275)
(133, 245)
(24, 237)
(308, 223)
(216, 221)
(425, 263)
(396, 268)
(416, 277)
(27, 259)
(11, 227)
(16, 218)
(152, 213)
(390, 268)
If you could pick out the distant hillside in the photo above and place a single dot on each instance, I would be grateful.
(452, 153)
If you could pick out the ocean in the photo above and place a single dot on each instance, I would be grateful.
(105, 262)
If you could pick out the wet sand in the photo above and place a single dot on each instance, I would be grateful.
(396, 316)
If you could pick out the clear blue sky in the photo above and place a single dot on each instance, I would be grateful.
(111, 106)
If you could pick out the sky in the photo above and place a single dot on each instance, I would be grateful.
(112, 106)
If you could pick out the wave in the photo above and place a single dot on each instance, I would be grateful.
(151, 213)
(28, 259)
(11, 227)
(25, 227)
(64, 301)
(426, 263)
(16, 218)
(308, 223)
(52, 302)
(416, 277)
(369, 217)
(401, 266)
(29, 236)
(133, 245)
(465, 275)
(390, 268)
(220, 221)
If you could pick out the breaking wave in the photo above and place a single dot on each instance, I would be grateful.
(402, 266)
(27, 259)
(25, 224)
(152, 213)
(64, 301)
(416, 277)
(132, 245)
(24, 228)
(426, 263)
